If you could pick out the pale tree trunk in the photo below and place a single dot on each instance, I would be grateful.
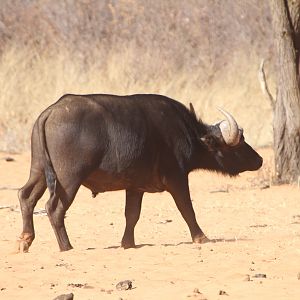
(287, 108)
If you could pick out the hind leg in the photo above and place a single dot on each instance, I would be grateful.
(132, 215)
(56, 208)
(28, 197)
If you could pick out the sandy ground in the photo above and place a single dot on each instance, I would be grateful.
(257, 228)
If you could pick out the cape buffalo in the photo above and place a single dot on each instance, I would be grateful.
(138, 143)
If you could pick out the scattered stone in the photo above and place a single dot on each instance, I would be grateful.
(221, 292)
(196, 291)
(20, 286)
(297, 219)
(8, 158)
(124, 285)
(298, 275)
(165, 221)
(65, 297)
(259, 275)
(259, 225)
(247, 277)
(66, 265)
(80, 285)
(2, 289)
(220, 191)
(264, 186)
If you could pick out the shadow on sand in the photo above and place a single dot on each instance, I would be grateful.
(211, 241)
(136, 247)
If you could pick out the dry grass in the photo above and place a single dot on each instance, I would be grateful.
(54, 47)
(31, 82)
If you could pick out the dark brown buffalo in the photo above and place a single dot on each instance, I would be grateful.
(138, 143)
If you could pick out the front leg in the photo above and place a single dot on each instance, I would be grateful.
(180, 192)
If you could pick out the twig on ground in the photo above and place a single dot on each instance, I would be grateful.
(8, 188)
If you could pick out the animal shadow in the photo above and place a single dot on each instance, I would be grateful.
(230, 240)
(136, 247)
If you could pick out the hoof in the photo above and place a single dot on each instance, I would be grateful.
(65, 248)
(127, 245)
(202, 239)
(22, 246)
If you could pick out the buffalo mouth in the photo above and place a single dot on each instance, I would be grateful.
(257, 165)
(254, 166)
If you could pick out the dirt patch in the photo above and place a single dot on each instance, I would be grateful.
(256, 231)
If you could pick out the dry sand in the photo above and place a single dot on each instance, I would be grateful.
(258, 232)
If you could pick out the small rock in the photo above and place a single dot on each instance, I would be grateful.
(298, 275)
(259, 225)
(247, 277)
(8, 159)
(124, 285)
(65, 297)
(264, 186)
(52, 285)
(259, 275)
(165, 221)
(79, 285)
(20, 286)
(196, 291)
(221, 292)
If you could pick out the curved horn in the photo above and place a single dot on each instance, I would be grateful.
(229, 129)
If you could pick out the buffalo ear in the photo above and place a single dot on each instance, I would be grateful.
(192, 110)
(209, 141)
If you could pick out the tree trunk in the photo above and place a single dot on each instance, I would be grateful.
(287, 109)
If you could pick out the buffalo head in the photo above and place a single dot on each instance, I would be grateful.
(228, 151)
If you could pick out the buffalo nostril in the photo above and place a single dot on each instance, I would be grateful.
(260, 161)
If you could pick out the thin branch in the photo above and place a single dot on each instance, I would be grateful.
(8, 188)
(264, 85)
